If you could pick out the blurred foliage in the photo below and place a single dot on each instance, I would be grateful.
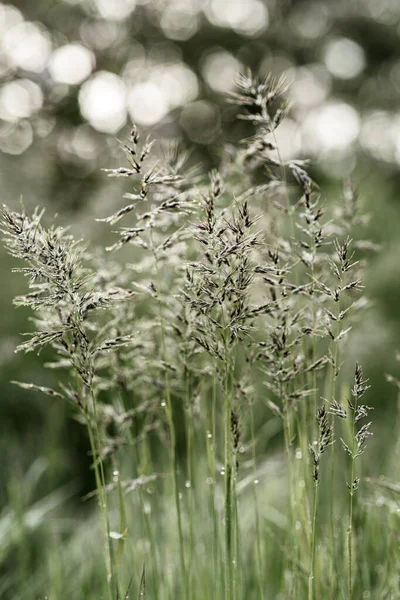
(166, 64)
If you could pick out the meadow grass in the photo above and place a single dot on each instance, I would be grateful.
(225, 439)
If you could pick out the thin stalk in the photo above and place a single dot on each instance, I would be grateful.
(189, 452)
(302, 501)
(144, 513)
(285, 185)
(293, 234)
(332, 522)
(171, 426)
(174, 464)
(143, 465)
(210, 443)
(229, 576)
(94, 437)
(350, 529)
(293, 511)
(102, 473)
(311, 579)
(153, 546)
(292, 491)
(236, 560)
(102, 505)
(260, 577)
(332, 474)
(314, 353)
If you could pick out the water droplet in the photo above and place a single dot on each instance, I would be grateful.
(209, 435)
(187, 484)
(298, 525)
(299, 454)
(302, 483)
(234, 562)
(163, 404)
(180, 496)
(222, 471)
(255, 481)
(115, 473)
(209, 481)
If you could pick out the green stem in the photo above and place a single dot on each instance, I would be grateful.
(141, 461)
(210, 443)
(293, 511)
(102, 500)
(236, 553)
(256, 509)
(228, 490)
(350, 529)
(285, 185)
(304, 513)
(189, 451)
(311, 578)
(332, 520)
(171, 426)
(332, 578)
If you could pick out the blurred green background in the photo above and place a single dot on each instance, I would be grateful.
(75, 73)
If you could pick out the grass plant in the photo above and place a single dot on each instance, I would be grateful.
(206, 372)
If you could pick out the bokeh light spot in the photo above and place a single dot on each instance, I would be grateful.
(288, 139)
(116, 10)
(344, 58)
(377, 132)
(20, 99)
(147, 103)
(78, 144)
(220, 69)
(249, 17)
(71, 64)
(102, 100)
(15, 138)
(27, 46)
(178, 83)
(332, 128)
(179, 21)
(100, 34)
(309, 85)
(9, 16)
